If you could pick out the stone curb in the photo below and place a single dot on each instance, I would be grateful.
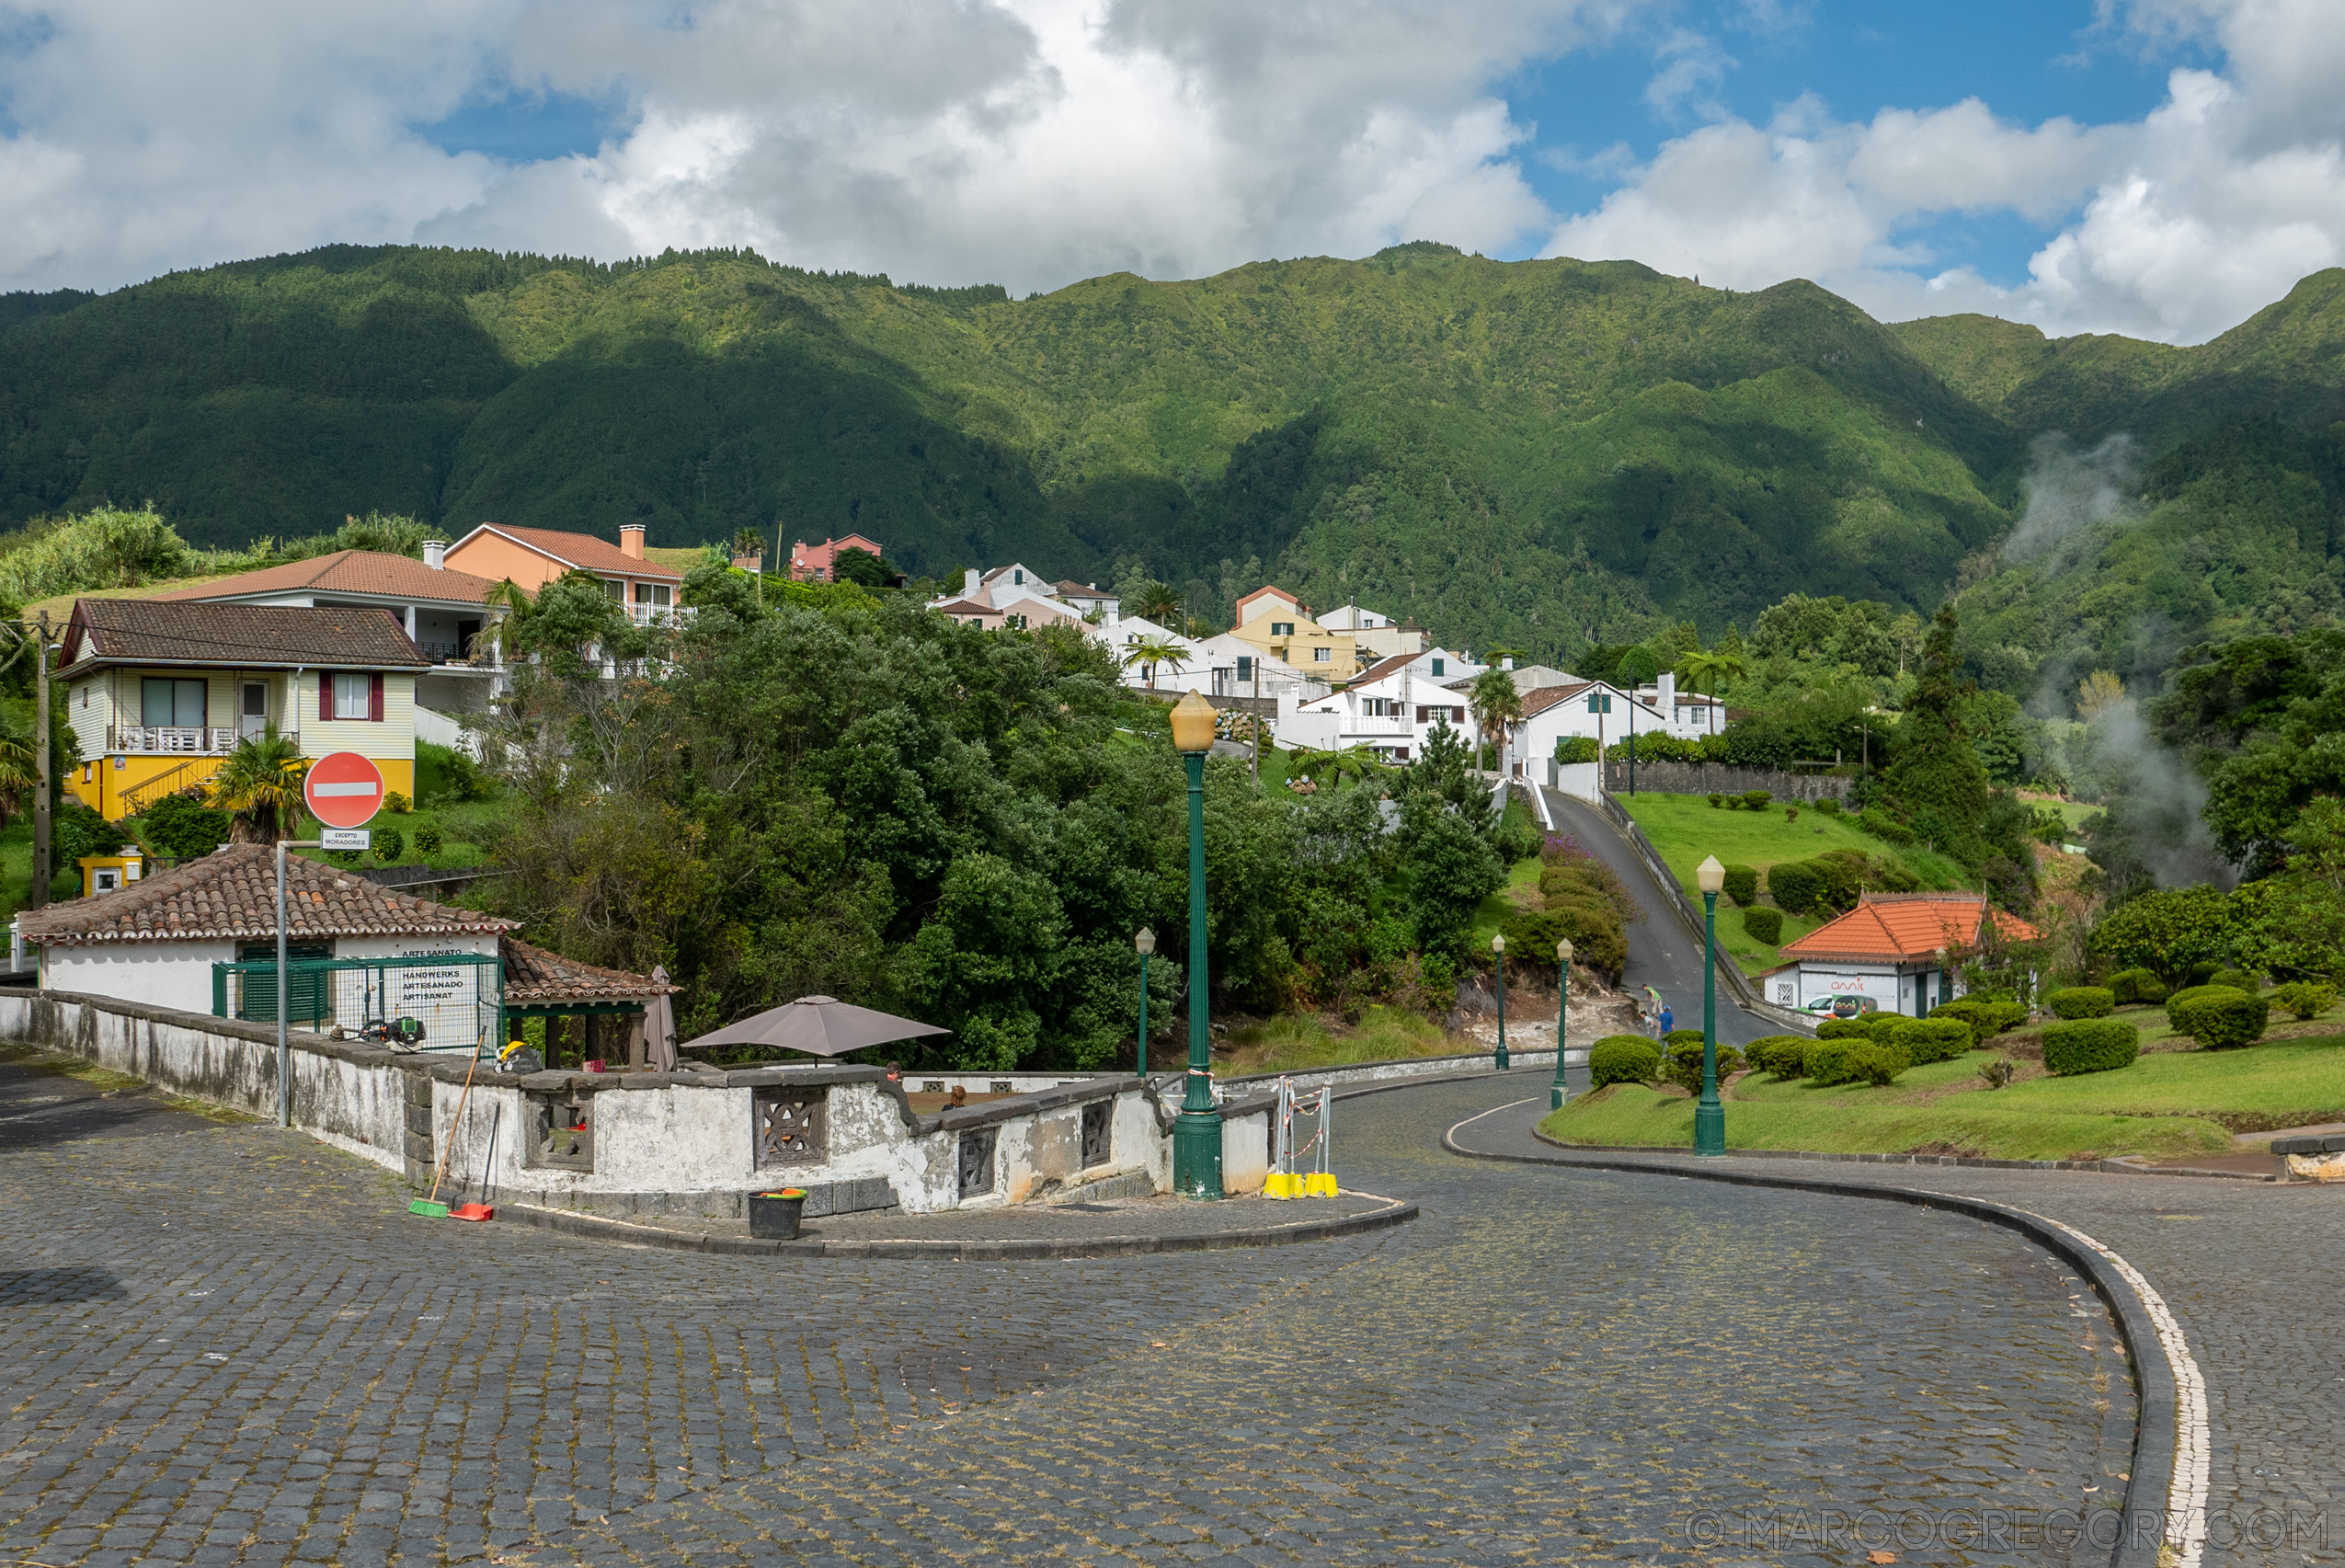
(1968, 1162)
(2157, 1440)
(596, 1227)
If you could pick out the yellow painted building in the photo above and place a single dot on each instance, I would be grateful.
(1277, 622)
(159, 693)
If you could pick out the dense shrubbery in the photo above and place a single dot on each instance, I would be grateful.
(2092, 1045)
(1742, 885)
(2082, 1001)
(1683, 1063)
(1926, 1039)
(1584, 900)
(1623, 1058)
(1985, 1019)
(2219, 1017)
(2306, 998)
(1764, 925)
(1571, 749)
(1876, 1062)
(2238, 979)
(1786, 1056)
(2136, 987)
(181, 825)
(1860, 1027)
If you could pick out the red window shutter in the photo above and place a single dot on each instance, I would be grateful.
(325, 693)
(375, 696)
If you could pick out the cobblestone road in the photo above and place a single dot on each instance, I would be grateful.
(232, 1345)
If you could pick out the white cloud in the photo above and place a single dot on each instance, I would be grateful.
(2176, 228)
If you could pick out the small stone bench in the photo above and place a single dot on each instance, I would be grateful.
(2318, 1159)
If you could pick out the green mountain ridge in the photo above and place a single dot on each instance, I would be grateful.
(1545, 453)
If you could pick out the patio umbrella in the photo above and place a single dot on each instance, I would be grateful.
(818, 1025)
(659, 1025)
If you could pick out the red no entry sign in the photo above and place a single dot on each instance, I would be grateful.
(344, 789)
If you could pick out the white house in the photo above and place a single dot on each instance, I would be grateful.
(1378, 635)
(1240, 668)
(1888, 955)
(1596, 709)
(1125, 633)
(1392, 709)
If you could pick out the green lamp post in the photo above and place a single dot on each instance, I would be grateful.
(1709, 1117)
(1196, 1133)
(1498, 957)
(1145, 942)
(1560, 1091)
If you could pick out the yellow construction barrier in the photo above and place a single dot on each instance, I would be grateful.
(1283, 1179)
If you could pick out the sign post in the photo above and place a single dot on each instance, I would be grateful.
(343, 791)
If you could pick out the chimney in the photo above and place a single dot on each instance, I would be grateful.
(1667, 685)
(435, 554)
(1506, 663)
(972, 581)
(631, 541)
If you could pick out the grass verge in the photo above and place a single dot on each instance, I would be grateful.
(1299, 1042)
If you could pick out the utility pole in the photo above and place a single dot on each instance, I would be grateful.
(37, 895)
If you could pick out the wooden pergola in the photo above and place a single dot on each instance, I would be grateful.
(596, 1012)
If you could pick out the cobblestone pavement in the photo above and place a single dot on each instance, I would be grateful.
(42, 1103)
(234, 1345)
(2248, 1268)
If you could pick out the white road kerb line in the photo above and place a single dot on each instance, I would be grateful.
(2186, 1494)
(1527, 1100)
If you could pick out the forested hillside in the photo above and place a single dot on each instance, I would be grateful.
(1542, 453)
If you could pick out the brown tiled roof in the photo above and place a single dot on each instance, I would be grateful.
(1886, 927)
(534, 977)
(1538, 698)
(580, 550)
(345, 571)
(155, 631)
(234, 894)
(1383, 667)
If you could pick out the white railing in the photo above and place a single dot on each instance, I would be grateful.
(1354, 725)
(660, 614)
(162, 738)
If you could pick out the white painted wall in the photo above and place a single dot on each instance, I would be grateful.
(158, 974)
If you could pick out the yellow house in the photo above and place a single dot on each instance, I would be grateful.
(1277, 622)
(159, 694)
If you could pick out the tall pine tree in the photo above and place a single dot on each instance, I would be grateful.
(1936, 782)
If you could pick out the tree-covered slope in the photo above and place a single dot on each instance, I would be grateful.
(1540, 452)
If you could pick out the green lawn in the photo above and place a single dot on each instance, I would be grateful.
(1295, 1043)
(2167, 1104)
(1687, 828)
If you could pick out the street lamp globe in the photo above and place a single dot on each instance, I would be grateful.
(1192, 721)
(1144, 942)
(1498, 944)
(1563, 952)
(1709, 876)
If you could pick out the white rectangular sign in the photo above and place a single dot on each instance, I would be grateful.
(346, 837)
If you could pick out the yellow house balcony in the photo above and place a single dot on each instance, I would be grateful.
(154, 739)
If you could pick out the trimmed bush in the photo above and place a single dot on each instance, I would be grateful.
(1742, 885)
(1623, 1058)
(1576, 748)
(1757, 799)
(1716, 801)
(1881, 824)
(1683, 1066)
(1855, 1061)
(1790, 814)
(1763, 925)
(2220, 1018)
(2090, 1045)
(428, 839)
(2135, 987)
(1860, 1027)
(1786, 1056)
(396, 803)
(2238, 979)
(389, 845)
(1795, 884)
(1926, 1039)
(2306, 998)
(1829, 805)
(2082, 1001)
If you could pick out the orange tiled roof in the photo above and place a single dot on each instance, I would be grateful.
(347, 571)
(1892, 927)
(534, 977)
(582, 550)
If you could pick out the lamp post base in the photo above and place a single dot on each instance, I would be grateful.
(1710, 1128)
(1555, 1098)
(1196, 1155)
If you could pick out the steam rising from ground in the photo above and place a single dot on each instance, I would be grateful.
(2164, 796)
(2068, 491)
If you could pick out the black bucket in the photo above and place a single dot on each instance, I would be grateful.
(773, 1216)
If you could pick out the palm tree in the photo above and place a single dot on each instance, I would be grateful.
(1153, 651)
(1718, 664)
(1156, 602)
(261, 783)
(1497, 706)
(515, 600)
(1329, 769)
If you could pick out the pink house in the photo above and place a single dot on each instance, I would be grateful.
(815, 563)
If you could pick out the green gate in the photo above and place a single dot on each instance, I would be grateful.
(457, 997)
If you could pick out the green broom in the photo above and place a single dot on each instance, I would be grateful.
(431, 1207)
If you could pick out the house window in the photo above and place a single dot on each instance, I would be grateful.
(1282, 628)
(1245, 667)
(1457, 715)
(1018, 577)
(617, 591)
(175, 704)
(1323, 655)
(657, 593)
(353, 695)
(1437, 667)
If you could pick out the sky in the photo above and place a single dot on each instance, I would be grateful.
(2161, 168)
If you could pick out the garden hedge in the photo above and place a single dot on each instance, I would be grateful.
(1623, 1058)
(1795, 884)
(1860, 1027)
(2306, 998)
(1926, 1039)
(2238, 980)
(2082, 1001)
(1987, 1019)
(1683, 1066)
(1786, 1056)
(2133, 987)
(1763, 925)
(2220, 1018)
(2090, 1045)
(1855, 1061)
(1742, 885)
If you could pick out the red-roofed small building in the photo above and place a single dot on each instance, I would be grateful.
(819, 563)
(1888, 955)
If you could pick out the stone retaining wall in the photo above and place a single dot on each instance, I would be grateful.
(1717, 778)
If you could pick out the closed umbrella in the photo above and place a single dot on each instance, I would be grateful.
(659, 1024)
(818, 1025)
